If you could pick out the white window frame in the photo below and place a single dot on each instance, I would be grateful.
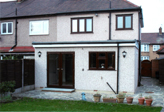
(144, 58)
(143, 46)
(156, 47)
(6, 28)
(43, 32)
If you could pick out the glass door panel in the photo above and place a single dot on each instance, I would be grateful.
(67, 70)
(53, 78)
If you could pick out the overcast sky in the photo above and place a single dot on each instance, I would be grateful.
(153, 14)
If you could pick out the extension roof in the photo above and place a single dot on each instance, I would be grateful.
(56, 7)
(152, 38)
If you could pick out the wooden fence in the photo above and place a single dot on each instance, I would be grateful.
(161, 71)
(20, 71)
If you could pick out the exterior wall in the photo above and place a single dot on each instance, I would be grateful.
(125, 34)
(23, 38)
(60, 30)
(128, 69)
(100, 28)
(152, 54)
(91, 80)
(161, 55)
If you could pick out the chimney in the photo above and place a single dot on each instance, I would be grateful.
(160, 31)
(19, 1)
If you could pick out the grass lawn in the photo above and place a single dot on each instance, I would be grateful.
(29, 104)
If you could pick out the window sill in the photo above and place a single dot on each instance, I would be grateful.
(124, 29)
(82, 33)
(7, 34)
(102, 69)
(38, 34)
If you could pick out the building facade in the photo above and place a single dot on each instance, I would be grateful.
(151, 43)
(80, 45)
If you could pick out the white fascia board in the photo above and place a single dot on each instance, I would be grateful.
(84, 45)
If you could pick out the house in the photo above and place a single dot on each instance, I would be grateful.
(151, 42)
(84, 45)
(160, 52)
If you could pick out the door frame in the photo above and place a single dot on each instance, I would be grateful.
(60, 60)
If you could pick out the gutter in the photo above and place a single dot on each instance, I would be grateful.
(16, 22)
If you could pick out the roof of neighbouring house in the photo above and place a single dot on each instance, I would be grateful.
(152, 38)
(54, 7)
(161, 50)
(17, 49)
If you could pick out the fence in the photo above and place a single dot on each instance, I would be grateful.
(20, 71)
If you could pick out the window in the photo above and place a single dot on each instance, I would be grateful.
(81, 25)
(39, 27)
(156, 47)
(144, 58)
(102, 60)
(124, 22)
(145, 48)
(7, 28)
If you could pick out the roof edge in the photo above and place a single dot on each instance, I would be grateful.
(85, 42)
(77, 12)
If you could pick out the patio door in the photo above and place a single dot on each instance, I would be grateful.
(60, 70)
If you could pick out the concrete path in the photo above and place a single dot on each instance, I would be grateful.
(150, 87)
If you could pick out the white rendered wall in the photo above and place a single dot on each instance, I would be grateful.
(125, 34)
(100, 28)
(128, 69)
(91, 80)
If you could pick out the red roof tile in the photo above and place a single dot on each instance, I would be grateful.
(17, 49)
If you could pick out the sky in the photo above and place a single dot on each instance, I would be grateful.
(153, 14)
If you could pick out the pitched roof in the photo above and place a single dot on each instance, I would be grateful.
(46, 7)
(152, 38)
(161, 50)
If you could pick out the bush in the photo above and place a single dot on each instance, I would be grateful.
(7, 86)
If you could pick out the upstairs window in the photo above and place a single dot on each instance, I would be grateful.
(102, 60)
(81, 25)
(144, 58)
(124, 22)
(40, 27)
(7, 28)
(145, 48)
(156, 47)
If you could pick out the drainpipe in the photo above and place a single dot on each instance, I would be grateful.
(16, 22)
(139, 60)
(110, 22)
(118, 49)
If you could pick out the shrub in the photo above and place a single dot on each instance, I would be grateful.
(7, 86)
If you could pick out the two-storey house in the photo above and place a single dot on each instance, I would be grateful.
(151, 43)
(79, 44)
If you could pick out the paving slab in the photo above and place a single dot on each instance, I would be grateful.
(151, 87)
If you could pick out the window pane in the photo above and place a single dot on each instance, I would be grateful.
(92, 60)
(74, 25)
(101, 63)
(101, 54)
(45, 27)
(36, 27)
(142, 47)
(88, 25)
(81, 23)
(127, 21)
(119, 22)
(4, 28)
(9, 28)
(111, 59)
